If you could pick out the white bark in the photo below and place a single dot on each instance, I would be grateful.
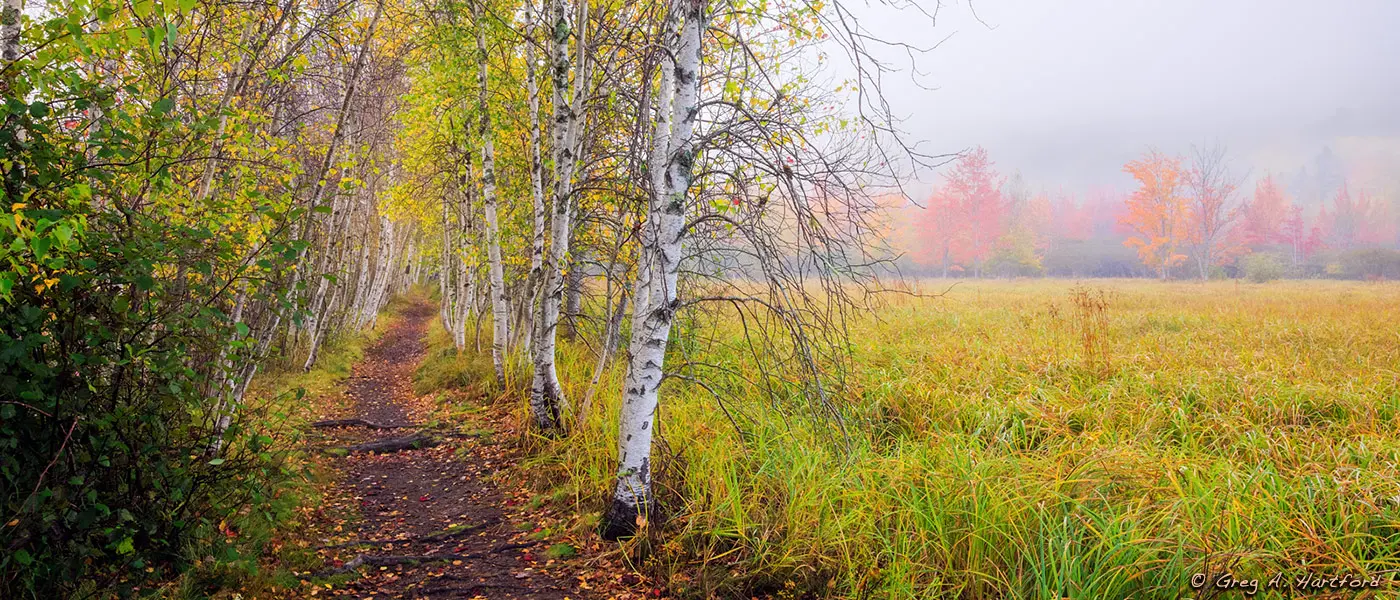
(466, 287)
(388, 265)
(446, 267)
(10, 18)
(655, 303)
(362, 296)
(547, 401)
(536, 176)
(223, 407)
(500, 307)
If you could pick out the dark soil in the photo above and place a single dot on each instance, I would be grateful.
(432, 522)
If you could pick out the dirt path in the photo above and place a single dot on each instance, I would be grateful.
(432, 522)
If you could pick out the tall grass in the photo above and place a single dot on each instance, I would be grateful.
(1037, 440)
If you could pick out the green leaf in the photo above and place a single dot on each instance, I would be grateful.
(162, 106)
(216, 462)
(41, 247)
(186, 6)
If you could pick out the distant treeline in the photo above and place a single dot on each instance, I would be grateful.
(1105, 258)
(1186, 219)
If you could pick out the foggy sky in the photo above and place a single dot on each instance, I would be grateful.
(1067, 91)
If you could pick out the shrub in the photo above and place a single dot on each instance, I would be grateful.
(105, 381)
(1370, 263)
(1262, 267)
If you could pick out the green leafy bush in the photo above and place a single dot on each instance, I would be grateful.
(1262, 267)
(112, 334)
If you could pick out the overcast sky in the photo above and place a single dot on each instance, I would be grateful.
(1067, 91)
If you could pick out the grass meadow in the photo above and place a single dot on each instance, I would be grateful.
(1036, 439)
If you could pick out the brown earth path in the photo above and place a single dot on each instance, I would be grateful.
(432, 523)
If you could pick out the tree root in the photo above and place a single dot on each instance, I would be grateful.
(426, 539)
(365, 560)
(411, 442)
(356, 423)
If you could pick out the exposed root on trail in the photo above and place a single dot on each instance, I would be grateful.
(398, 444)
(423, 539)
(356, 423)
(367, 560)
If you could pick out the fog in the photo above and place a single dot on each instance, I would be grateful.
(1067, 92)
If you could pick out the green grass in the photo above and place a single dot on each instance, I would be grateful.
(1254, 427)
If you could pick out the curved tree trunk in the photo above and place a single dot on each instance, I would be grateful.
(655, 300)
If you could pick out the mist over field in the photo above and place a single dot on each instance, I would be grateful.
(1062, 95)
(1067, 92)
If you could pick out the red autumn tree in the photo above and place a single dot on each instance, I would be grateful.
(1157, 214)
(975, 188)
(1073, 220)
(1377, 226)
(1266, 215)
(940, 231)
(1300, 241)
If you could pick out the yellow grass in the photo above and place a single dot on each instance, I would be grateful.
(1022, 440)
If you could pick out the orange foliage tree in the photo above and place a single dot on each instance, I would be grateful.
(1266, 216)
(1157, 213)
(940, 231)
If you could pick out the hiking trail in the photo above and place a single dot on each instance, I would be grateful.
(432, 523)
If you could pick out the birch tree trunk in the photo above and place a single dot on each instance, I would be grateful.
(9, 29)
(547, 402)
(536, 177)
(500, 306)
(655, 300)
(10, 17)
(573, 300)
(467, 301)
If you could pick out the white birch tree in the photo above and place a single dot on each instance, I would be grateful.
(654, 301)
(547, 401)
(500, 303)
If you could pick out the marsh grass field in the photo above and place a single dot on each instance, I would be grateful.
(1038, 439)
